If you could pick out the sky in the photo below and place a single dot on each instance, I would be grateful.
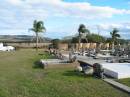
(63, 17)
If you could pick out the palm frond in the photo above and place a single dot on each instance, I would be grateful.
(117, 35)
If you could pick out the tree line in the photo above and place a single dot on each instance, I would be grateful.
(38, 27)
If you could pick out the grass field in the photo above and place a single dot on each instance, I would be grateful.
(18, 78)
(125, 81)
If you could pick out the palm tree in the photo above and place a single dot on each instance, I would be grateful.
(38, 27)
(82, 29)
(115, 36)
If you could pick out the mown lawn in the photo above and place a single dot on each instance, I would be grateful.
(19, 78)
(125, 81)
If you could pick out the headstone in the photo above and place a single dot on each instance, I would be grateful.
(98, 70)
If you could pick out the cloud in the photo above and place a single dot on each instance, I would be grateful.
(42, 9)
(106, 28)
(61, 8)
(19, 14)
(16, 2)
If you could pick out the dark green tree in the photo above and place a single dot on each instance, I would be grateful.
(55, 43)
(83, 31)
(74, 40)
(114, 36)
(95, 38)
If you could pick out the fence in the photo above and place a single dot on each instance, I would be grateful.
(29, 45)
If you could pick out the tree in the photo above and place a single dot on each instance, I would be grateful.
(96, 38)
(82, 33)
(38, 27)
(74, 40)
(55, 43)
(114, 34)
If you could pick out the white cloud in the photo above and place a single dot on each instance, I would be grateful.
(61, 8)
(106, 28)
(19, 14)
(14, 2)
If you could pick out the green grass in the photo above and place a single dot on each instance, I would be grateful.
(18, 78)
(125, 81)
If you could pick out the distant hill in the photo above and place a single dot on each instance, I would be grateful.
(22, 38)
(70, 37)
